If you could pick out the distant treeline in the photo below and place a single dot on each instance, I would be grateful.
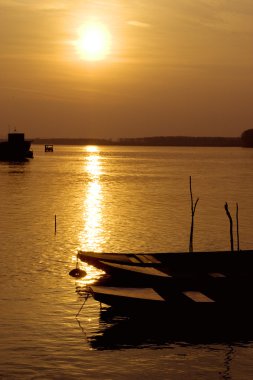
(148, 141)
(182, 141)
(71, 141)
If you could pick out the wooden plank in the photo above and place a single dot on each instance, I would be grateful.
(152, 259)
(137, 269)
(144, 259)
(197, 296)
(134, 259)
(137, 293)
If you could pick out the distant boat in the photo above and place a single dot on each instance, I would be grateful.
(49, 148)
(16, 148)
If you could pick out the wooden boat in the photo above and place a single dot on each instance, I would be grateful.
(172, 300)
(133, 297)
(228, 298)
(16, 148)
(156, 296)
(200, 266)
(176, 282)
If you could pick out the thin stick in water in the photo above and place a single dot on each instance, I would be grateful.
(231, 227)
(193, 209)
(237, 227)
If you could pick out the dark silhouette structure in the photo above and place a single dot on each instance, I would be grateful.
(16, 148)
(49, 148)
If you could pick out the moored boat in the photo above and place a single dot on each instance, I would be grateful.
(126, 297)
(170, 266)
(206, 282)
(16, 148)
(136, 300)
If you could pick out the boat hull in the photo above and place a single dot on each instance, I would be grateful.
(138, 301)
(169, 266)
(16, 148)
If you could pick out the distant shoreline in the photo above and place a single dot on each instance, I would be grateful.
(147, 141)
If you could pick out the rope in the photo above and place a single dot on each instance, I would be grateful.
(85, 299)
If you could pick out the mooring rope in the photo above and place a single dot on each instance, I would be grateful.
(85, 299)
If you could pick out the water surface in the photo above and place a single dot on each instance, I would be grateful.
(112, 199)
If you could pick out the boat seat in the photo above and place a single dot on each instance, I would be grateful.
(197, 296)
(150, 259)
(137, 269)
(144, 259)
(139, 293)
(134, 259)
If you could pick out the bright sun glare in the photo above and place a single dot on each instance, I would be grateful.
(94, 42)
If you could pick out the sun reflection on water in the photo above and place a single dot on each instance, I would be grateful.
(91, 236)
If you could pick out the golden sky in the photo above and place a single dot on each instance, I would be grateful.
(125, 68)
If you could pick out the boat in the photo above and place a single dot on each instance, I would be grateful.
(16, 148)
(176, 300)
(49, 148)
(209, 282)
(126, 297)
(174, 267)
(139, 298)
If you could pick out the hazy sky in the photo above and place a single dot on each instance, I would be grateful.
(124, 68)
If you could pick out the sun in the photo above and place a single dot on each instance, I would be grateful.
(94, 42)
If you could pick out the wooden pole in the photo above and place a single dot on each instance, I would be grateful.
(237, 227)
(193, 209)
(231, 227)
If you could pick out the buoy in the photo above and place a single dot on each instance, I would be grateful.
(77, 273)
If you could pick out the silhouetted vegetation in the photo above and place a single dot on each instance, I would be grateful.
(72, 141)
(181, 141)
(148, 141)
(247, 138)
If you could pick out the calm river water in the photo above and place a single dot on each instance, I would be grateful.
(112, 199)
